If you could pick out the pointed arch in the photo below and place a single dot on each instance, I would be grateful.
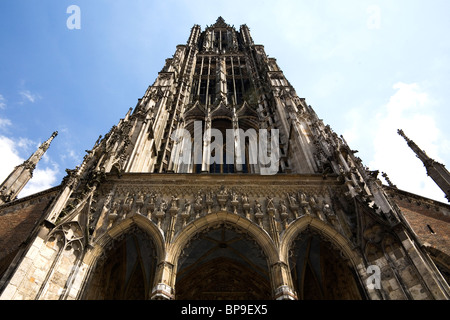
(123, 227)
(123, 261)
(222, 111)
(322, 263)
(324, 229)
(232, 252)
(197, 111)
(245, 111)
(261, 237)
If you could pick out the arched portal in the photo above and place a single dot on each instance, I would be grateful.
(126, 269)
(222, 262)
(319, 271)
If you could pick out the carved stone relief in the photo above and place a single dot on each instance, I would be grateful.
(271, 208)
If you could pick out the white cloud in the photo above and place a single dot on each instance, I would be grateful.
(10, 157)
(27, 95)
(410, 109)
(4, 123)
(43, 178)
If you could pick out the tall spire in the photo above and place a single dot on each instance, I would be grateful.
(21, 174)
(220, 22)
(435, 170)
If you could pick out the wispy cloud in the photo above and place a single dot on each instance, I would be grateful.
(410, 108)
(4, 123)
(10, 157)
(27, 95)
(43, 179)
(2, 102)
(69, 155)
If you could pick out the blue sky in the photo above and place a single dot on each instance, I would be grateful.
(366, 67)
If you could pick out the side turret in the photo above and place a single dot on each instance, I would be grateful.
(435, 170)
(21, 174)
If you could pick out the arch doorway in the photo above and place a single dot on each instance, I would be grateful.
(319, 272)
(126, 270)
(222, 263)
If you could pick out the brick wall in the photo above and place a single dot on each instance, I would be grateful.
(17, 222)
(430, 220)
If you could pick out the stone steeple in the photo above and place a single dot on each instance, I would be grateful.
(221, 171)
(21, 174)
(435, 170)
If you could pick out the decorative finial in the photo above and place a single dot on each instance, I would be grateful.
(400, 132)
(385, 176)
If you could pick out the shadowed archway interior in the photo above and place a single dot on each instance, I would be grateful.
(319, 272)
(126, 270)
(222, 263)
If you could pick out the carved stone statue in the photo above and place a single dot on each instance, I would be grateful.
(188, 206)
(174, 202)
(292, 200)
(313, 202)
(327, 210)
(284, 215)
(258, 209)
(235, 197)
(246, 205)
(209, 201)
(161, 211)
(173, 205)
(199, 199)
(245, 198)
(139, 202)
(283, 207)
(163, 206)
(186, 212)
(222, 197)
(303, 200)
(234, 201)
(293, 204)
(112, 216)
(258, 213)
(127, 206)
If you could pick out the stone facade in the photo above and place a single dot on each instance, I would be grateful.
(137, 221)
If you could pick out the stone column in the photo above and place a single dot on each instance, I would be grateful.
(164, 279)
(282, 282)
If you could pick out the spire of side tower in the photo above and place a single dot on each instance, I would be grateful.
(21, 174)
(435, 170)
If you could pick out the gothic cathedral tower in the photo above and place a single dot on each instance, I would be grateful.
(220, 184)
